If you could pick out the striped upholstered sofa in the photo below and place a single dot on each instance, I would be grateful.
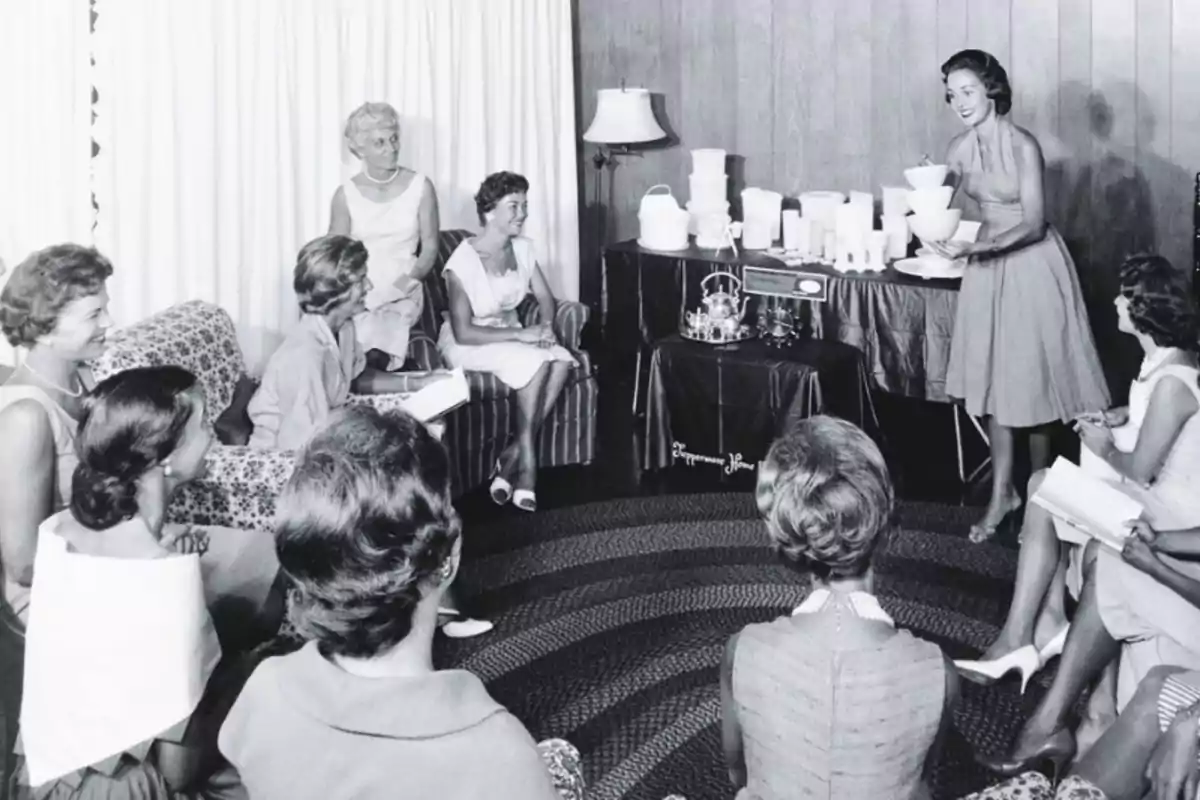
(241, 484)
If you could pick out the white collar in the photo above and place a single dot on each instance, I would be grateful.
(864, 605)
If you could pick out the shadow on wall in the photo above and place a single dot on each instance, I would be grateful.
(1109, 200)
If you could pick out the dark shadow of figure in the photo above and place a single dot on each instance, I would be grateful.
(1111, 200)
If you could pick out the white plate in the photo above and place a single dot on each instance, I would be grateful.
(661, 250)
(925, 268)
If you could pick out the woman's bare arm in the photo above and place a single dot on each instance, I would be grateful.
(430, 222)
(26, 485)
(339, 213)
(1172, 404)
(731, 729)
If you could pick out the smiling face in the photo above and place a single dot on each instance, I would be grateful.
(82, 326)
(968, 98)
(379, 147)
(509, 214)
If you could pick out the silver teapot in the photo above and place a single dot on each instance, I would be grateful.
(721, 306)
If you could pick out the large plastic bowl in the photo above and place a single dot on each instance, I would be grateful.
(935, 226)
(925, 201)
(930, 176)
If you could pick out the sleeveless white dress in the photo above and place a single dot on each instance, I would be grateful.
(391, 232)
(1155, 625)
(62, 428)
(494, 301)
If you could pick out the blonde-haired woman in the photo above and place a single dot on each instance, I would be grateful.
(827, 499)
(393, 210)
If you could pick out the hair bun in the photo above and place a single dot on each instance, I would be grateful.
(101, 500)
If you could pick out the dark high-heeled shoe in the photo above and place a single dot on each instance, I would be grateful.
(1049, 758)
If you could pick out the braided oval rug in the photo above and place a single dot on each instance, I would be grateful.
(611, 619)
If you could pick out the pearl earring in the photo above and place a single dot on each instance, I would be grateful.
(167, 469)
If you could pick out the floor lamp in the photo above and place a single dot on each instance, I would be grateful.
(623, 117)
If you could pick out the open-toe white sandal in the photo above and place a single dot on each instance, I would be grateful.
(500, 489)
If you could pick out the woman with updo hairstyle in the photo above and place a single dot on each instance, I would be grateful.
(120, 645)
(1022, 355)
(488, 277)
(394, 212)
(827, 500)
(367, 533)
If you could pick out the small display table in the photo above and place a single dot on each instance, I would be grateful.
(720, 406)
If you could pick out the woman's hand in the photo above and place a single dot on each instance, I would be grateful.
(185, 540)
(1172, 769)
(952, 249)
(1097, 438)
(1138, 551)
(1116, 417)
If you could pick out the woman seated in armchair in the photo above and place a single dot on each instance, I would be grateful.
(488, 276)
(394, 212)
(827, 499)
(320, 362)
(1149, 450)
(55, 305)
(119, 643)
(368, 535)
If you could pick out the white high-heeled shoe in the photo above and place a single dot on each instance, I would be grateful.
(1025, 660)
(1054, 647)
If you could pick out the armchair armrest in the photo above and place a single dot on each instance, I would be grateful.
(569, 320)
(238, 490)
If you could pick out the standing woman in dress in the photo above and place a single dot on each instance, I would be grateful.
(1022, 355)
(393, 210)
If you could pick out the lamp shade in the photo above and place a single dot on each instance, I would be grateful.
(623, 116)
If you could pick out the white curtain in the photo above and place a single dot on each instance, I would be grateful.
(45, 134)
(220, 131)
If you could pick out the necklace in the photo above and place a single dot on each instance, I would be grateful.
(52, 384)
(367, 174)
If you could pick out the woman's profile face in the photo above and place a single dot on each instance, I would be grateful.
(356, 297)
(381, 147)
(1124, 321)
(187, 462)
(509, 214)
(81, 329)
(968, 98)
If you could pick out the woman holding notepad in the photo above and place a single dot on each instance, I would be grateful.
(1149, 451)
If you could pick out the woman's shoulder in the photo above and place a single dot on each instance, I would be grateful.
(958, 145)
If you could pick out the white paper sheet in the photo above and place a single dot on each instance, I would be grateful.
(116, 652)
(438, 398)
(1086, 506)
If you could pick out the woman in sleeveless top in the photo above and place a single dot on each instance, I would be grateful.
(1145, 597)
(394, 212)
(831, 701)
(488, 277)
(122, 716)
(1022, 355)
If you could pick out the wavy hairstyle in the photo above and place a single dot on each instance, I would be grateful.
(496, 187)
(1160, 301)
(364, 526)
(43, 284)
(325, 270)
(131, 421)
(989, 71)
(366, 118)
(826, 496)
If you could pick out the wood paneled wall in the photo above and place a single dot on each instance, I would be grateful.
(844, 94)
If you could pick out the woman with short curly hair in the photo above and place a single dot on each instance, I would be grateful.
(1142, 601)
(488, 277)
(368, 534)
(55, 308)
(393, 210)
(856, 702)
(1022, 355)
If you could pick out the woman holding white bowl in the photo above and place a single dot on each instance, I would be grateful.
(1022, 354)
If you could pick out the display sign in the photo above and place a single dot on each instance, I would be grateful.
(790, 283)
